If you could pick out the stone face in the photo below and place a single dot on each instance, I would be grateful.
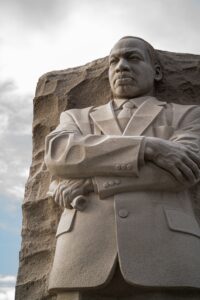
(77, 88)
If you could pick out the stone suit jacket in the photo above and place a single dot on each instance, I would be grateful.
(141, 215)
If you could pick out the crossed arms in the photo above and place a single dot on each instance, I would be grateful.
(86, 162)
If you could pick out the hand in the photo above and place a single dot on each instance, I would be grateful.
(67, 190)
(175, 158)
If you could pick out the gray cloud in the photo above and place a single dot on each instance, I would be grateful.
(167, 23)
(171, 25)
(7, 86)
(38, 14)
(15, 136)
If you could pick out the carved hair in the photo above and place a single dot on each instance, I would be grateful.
(151, 51)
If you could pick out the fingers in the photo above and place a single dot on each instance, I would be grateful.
(58, 197)
(195, 158)
(194, 168)
(67, 191)
(184, 171)
(175, 172)
(187, 173)
(179, 176)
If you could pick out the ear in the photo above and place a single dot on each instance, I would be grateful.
(158, 73)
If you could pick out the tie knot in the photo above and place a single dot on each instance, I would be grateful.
(129, 104)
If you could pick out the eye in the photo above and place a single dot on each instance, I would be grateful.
(113, 61)
(134, 57)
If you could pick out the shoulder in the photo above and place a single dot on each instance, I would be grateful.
(185, 109)
(76, 118)
(183, 106)
(80, 114)
(185, 113)
(76, 113)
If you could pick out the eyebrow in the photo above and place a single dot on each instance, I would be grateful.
(126, 52)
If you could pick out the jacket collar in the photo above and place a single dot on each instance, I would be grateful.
(104, 117)
(117, 104)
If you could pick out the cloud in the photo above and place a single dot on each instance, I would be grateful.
(7, 293)
(15, 135)
(167, 24)
(7, 287)
(46, 35)
(7, 86)
(8, 279)
(161, 21)
(41, 15)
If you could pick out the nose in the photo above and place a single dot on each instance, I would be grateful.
(122, 65)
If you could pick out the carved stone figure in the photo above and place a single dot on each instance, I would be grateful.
(125, 171)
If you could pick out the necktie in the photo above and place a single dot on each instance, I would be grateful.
(125, 114)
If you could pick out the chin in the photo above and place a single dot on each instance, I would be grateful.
(125, 92)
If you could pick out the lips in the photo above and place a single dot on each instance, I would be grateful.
(123, 80)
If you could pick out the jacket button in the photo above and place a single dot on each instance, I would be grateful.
(118, 167)
(117, 181)
(129, 167)
(123, 213)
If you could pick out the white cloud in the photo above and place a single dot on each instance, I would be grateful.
(7, 279)
(7, 287)
(16, 191)
(7, 293)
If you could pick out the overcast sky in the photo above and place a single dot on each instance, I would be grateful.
(38, 36)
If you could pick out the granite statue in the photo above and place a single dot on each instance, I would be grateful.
(124, 175)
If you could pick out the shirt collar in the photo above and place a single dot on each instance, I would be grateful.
(118, 103)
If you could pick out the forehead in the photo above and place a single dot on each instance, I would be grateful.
(129, 45)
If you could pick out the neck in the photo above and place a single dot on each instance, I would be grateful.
(126, 98)
(150, 93)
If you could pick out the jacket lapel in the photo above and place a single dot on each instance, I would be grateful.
(104, 117)
(143, 116)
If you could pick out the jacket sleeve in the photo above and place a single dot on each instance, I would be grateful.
(70, 154)
(151, 177)
(187, 126)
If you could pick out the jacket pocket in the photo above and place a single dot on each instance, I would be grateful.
(182, 222)
(66, 221)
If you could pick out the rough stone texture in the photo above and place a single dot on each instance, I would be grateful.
(57, 91)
